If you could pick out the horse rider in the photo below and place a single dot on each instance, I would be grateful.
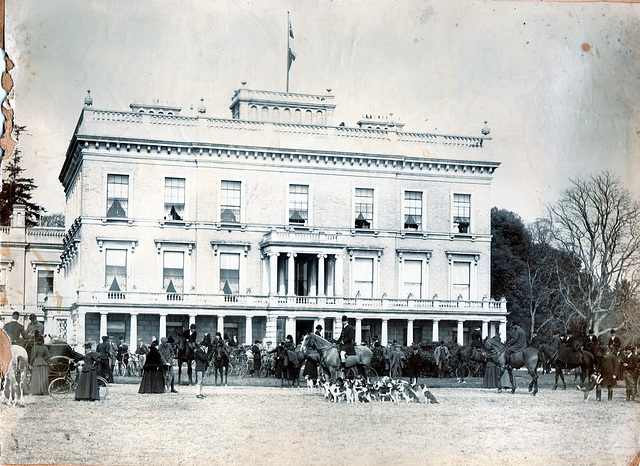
(346, 340)
(319, 331)
(476, 339)
(592, 342)
(167, 355)
(518, 342)
(16, 331)
(614, 343)
(191, 336)
(574, 344)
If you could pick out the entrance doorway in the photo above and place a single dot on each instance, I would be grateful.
(302, 328)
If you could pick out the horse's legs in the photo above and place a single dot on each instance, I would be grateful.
(513, 385)
(555, 386)
(564, 385)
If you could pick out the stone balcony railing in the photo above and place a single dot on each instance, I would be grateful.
(300, 236)
(299, 303)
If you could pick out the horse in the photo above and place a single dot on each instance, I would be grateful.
(330, 356)
(13, 369)
(291, 364)
(185, 354)
(220, 358)
(529, 360)
(467, 354)
(564, 357)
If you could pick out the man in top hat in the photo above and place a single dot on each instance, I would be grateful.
(167, 356)
(15, 330)
(103, 350)
(614, 343)
(346, 340)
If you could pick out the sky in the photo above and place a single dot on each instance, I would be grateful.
(558, 83)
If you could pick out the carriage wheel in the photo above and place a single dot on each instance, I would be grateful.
(104, 388)
(60, 366)
(60, 387)
(372, 375)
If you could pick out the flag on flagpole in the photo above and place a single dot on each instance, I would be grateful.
(291, 56)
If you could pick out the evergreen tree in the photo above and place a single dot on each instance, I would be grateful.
(16, 189)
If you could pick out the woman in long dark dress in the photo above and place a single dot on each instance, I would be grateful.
(40, 375)
(491, 376)
(87, 388)
(152, 376)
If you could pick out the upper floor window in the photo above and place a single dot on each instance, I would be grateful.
(253, 113)
(364, 208)
(173, 272)
(3, 280)
(117, 196)
(298, 204)
(461, 280)
(413, 210)
(308, 117)
(363, 277)
(230, 205)
(461, 213)
(265, 113)
(45, 284)
(230, 273)
(276, 114)
(412, 275)
(115, 271)
(174, 194)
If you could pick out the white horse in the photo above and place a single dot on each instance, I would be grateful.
(14, 372)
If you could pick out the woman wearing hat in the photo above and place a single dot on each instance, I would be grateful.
(40, 374)
(152, 376)
(87, 388)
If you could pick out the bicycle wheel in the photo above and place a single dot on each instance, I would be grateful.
(243, 369)
(104, 388)
(262, 373)
(132, 369)
(60, 387)
(120, 369)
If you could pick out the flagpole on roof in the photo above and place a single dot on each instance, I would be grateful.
(288, 49)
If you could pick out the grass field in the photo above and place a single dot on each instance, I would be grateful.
(248, 422)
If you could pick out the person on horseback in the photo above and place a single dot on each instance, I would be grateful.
(592, 342)
(191, 336)
(614, 343)
(518, 342)
(15, 330)
(319, 331)
(476, 339)
(346, 340)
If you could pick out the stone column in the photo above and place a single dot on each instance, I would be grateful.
(133, 330)
(290, 327)
(485, 329)
(273, 273)
(436, 330)
(220, 326)
(192, 319)
(49, 324)
(248, 333)
(339, 274)
(492, 329)
(358, 331)
(163, 326)
(331, 276)
(461, 332)
(103, 325)
(321, 258)
(409, 332)
(384, 338)
(503, 330)
(291, 274)
(337, 328)
(312, 274)
(80, 337)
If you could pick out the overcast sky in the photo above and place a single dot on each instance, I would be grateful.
(559, 83)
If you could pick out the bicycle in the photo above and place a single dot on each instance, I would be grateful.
(60, 387)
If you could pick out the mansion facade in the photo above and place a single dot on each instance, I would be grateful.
(271, 222)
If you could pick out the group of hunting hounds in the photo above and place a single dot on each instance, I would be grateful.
(359, 390)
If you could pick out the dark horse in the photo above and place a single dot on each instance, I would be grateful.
(467, 354)
(528, 358)
(291, 364)
(330, 356)
(221, 363)
(564, 357)
(185, 354)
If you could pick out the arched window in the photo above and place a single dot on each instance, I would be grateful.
(298, 116)
(287, 115)
(253, 113)
(276, 114)
(265, 113)
(319, 118)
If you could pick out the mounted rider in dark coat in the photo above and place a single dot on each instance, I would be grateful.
(346, 340)
(517, 342)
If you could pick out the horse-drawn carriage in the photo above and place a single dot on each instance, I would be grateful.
(65, 366)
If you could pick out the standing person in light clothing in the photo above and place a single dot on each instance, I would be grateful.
(441, 354)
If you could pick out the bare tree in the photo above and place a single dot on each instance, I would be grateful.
(597, 222)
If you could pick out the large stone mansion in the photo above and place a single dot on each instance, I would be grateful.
(269, 223)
